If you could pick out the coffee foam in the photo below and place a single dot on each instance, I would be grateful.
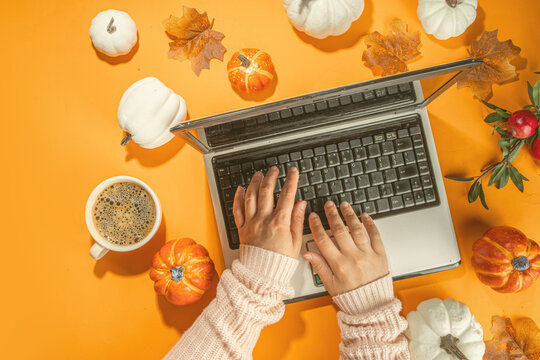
(124, 213)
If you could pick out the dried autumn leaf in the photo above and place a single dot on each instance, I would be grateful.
(387, 55)
(194, 39)
(521, 342)
(496, 67)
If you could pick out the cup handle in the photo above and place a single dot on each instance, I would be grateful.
(97, 251)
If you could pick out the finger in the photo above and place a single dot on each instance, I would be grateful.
(323, 241)
(374, 235)
(297, 224)
(251, 195)
(356, 228)
(238, 207)
(266, 191)
(340, 232)
(320, 267)
(288, 193)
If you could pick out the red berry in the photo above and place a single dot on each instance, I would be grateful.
(535, 149)
(522, 124)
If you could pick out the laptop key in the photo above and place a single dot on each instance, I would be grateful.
(290, 165)
(416, 184)
(368, 95)
(407, 171)
(225, 182)
(419, 198)
(321, 105)
(303, 180)
(335, 187)
(333, 102)
(359, 196)
(383, 162)
(404, 144)
(402, 187)
(380, 92)
(386, 190)
(377, 178)
(343, 145)
(228, 195)
(284, 158)
(285, 113)
(356, 168)
(223, 171)
(297, 111)
(409, 157)
(420, 154)
(370, 166)
(342, 171)
(308, 153)
(306, 165)
(317, 205)
(259, 164)
(346, 156)
(430, 195)
(396, 202)
(360, 153)
(322, 190)
(329, 174)
(355, 143)
(402, 133)
(397, 160)
(271, 161)
(235, 168)
(357, 98)
(417, 141)
(237, 180)
(387, 147)
(349, 184)
(373, 193)
(319, 162)
(383, 205)
(378, 138)
(333, 159)
(295, 156)
(309, 108)
(391, 135)
(367, 140)
(426, 182)
(345, 197)
(345, 100)
(415, 130)
(423, 167)
(408, 200)
(282, 171)
(308, 193)
(369, 208)
(315, 177)
(319, 150)
(247, 166)
(374, 150)
(331, 148)
(392, 90)
(390, 175)
(273, 116)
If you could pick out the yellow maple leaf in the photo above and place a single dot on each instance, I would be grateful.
(387, 55)
(496, 67)
(194, 39)
(519, 342)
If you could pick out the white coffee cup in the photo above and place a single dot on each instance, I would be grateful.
(102, 246)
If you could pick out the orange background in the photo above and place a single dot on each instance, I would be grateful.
(60, 138)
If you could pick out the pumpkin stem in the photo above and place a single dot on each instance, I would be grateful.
(177, 273)
(111, 28)
(126, 139)
(449, 344)
(452, 3)
(245, 61)
(521, 263)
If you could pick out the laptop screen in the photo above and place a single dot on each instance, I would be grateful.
(322, 107)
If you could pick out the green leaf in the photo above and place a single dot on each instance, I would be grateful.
(503, 143)
(459, 178)
(515, 176)
(536, 94)
(515, 151)
(482, 197)
(531, 140)
(501, 132)
(528, 107)
(503, 113)
(474, 191)
(537, 72)
(530, 91)
(496, 174)
(493, 117)
(504, 178)
(523, 177)
(493, 107)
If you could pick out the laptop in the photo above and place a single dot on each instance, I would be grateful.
(368, 143)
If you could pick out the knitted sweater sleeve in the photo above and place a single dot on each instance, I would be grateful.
(370, 323)
(249, 297)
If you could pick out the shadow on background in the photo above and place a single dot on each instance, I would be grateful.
(154, 157)
(133, 262)
(116, 60)
(182, 317)
(259, 95)
(350, 38)
(473, 32)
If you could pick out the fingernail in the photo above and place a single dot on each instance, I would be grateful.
(307, 256)
(274, 168)
(303, 205)
(313, 215)
(329, 204)
(293, 169)
(344, 204)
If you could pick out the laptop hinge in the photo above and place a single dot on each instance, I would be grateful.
(193, 141)
(442, 89)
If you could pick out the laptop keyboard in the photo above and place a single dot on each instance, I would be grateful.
(318, 113)
(380, 170)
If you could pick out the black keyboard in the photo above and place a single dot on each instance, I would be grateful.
(295, 117)
(381, 170)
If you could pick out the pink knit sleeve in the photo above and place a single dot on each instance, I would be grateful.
(249, 297)
(371, 326)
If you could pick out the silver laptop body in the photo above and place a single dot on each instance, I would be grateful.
(417, 242)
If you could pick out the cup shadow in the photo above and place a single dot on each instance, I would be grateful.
(116, 60)
(351, 37)
(154, 157)
(133, 262)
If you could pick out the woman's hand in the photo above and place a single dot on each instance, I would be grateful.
(259, 224)
(358, 258)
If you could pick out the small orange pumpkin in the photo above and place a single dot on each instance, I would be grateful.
(182, 271)
(250, 70)
(506, 260)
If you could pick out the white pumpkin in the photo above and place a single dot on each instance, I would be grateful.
(113, 32)
(446, 18)
(322, 18)
(436, 323)
(147, 110)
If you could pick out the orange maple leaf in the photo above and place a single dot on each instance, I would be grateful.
(496, 67)
(387, 55)
(194, 39)
(521, 342)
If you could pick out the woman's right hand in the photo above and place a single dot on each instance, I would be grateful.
(359, 257)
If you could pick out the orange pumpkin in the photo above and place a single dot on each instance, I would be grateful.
(505, 259)
(182, 271)
(250, 70)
